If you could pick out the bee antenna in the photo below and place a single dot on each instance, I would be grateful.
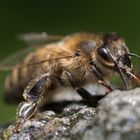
(132, 54)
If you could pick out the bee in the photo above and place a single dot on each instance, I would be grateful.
(74, 60)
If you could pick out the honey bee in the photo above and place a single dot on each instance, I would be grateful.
(75, 60)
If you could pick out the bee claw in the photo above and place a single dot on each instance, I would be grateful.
(17, 127)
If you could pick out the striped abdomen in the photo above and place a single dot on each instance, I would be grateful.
(15, 84)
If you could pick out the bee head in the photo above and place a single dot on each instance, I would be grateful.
(114, 54)
(113, 49)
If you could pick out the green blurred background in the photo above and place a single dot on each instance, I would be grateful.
(63, 17)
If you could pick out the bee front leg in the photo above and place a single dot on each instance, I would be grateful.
(32, 94)
(100, 78)
(91, 98)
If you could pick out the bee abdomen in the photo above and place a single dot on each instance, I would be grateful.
(15, 84)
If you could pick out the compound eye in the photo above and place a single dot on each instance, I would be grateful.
(104, 54)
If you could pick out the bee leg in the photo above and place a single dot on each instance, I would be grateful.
(87, 96)
(100, 78)
(32, 94)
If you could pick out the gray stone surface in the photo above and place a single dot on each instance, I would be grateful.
(117, 117)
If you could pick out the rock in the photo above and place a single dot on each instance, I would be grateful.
(117, 117)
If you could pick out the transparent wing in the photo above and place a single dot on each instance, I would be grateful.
(34, 39)
(14, 59)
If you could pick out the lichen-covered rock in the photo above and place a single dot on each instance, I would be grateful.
(117, 117)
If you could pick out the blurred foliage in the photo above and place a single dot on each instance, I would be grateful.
(64, 17)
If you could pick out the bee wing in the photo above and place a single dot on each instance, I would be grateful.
(13, 60)
(16, 59)
(35, 39)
